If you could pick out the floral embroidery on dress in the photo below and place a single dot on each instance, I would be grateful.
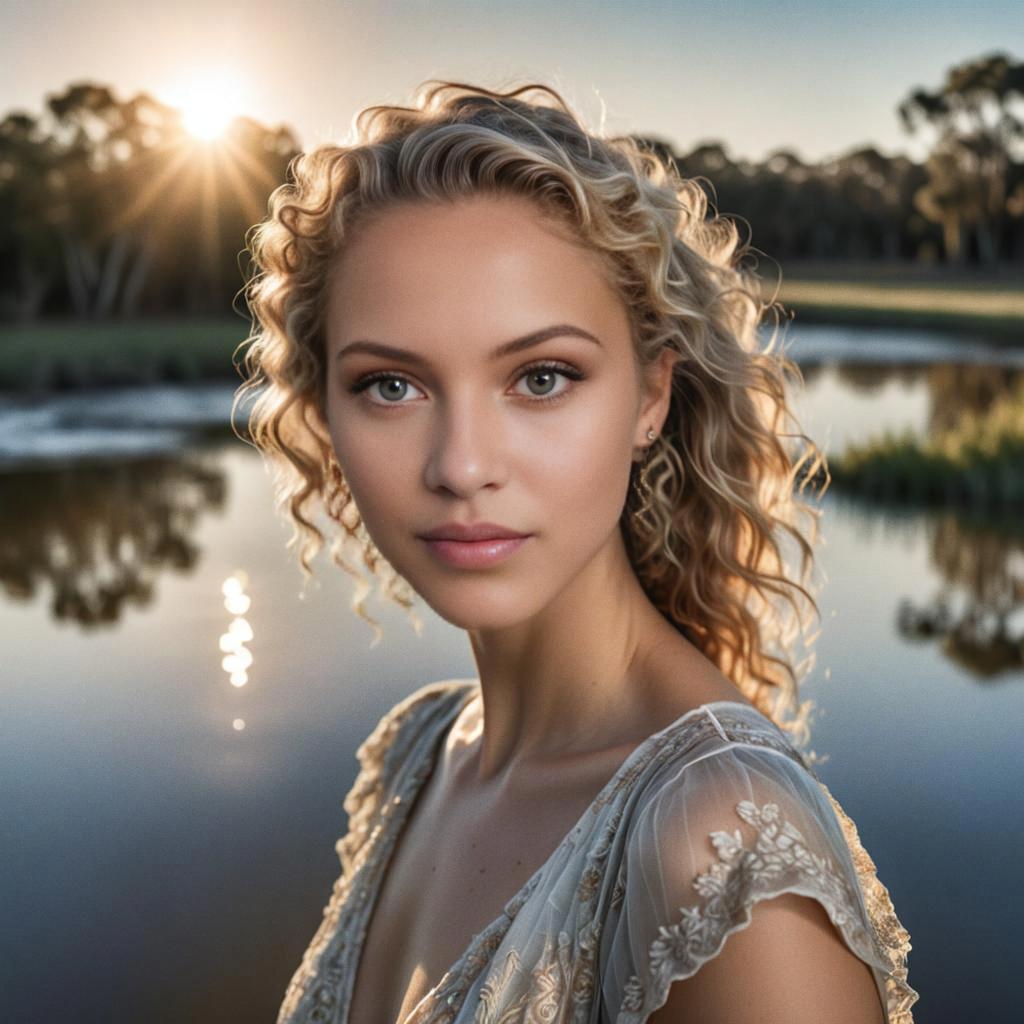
(492, 991)
(593, 873)
(589, 884)
(730, 887)
(561, 989)
(563, 981)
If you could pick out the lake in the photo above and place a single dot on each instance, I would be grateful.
(169, 823)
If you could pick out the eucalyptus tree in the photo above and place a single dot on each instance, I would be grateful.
(977, 119)
(29, 255)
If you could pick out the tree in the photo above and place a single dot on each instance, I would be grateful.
(979, 133)
(29, 257)
(109, 155)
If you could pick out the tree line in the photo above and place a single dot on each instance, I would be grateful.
(109, 209)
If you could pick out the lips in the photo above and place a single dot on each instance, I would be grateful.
(474, 554)
(472, 532)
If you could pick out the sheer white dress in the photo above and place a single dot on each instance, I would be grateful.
(703, 819)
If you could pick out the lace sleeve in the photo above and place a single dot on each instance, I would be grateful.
(712, 838)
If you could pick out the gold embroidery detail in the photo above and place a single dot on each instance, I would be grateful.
(589, 884)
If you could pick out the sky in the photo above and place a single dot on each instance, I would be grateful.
(814, 77)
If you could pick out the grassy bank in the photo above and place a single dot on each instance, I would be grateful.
(69, 355)
(896, 295)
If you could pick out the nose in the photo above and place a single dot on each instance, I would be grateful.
(465, 451)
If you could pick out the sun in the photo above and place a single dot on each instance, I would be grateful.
(207, 122)
(208, 101)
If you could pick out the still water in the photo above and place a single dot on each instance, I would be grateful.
(168, 831)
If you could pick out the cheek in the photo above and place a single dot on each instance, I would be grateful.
(584, 472)
(379, 475)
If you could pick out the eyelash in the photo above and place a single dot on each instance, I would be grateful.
(563, 368)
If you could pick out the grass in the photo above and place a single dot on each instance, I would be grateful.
(69, 355)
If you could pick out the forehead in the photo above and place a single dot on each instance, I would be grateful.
(490, 267)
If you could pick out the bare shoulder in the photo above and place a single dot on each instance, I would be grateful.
(682, 677)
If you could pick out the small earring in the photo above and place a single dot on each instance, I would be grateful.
(645, 452)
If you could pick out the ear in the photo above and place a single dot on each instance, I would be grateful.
(656, 396)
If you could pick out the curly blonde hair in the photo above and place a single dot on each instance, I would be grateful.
(717, 493)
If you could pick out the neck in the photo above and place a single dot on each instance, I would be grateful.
(572, 679)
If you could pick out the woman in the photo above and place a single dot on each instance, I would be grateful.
(517, 367)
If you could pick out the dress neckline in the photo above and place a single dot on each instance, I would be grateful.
(512, 906)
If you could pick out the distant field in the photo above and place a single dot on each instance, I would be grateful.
(905, 296)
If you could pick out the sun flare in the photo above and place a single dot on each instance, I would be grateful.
(208, 102)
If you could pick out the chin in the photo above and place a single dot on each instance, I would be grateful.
(482, 604)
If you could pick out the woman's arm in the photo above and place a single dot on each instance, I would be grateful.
(788, 966)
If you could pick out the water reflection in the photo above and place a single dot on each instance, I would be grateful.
(870, 378)
(98, 535)
(958, 390)
(982, 569)
(966, 451)
(976, 612)
(953, 389)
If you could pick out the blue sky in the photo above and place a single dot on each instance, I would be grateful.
(816, 77)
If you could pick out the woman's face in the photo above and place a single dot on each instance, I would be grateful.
(432, 424)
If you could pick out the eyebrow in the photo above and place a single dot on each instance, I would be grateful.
(376, 348)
